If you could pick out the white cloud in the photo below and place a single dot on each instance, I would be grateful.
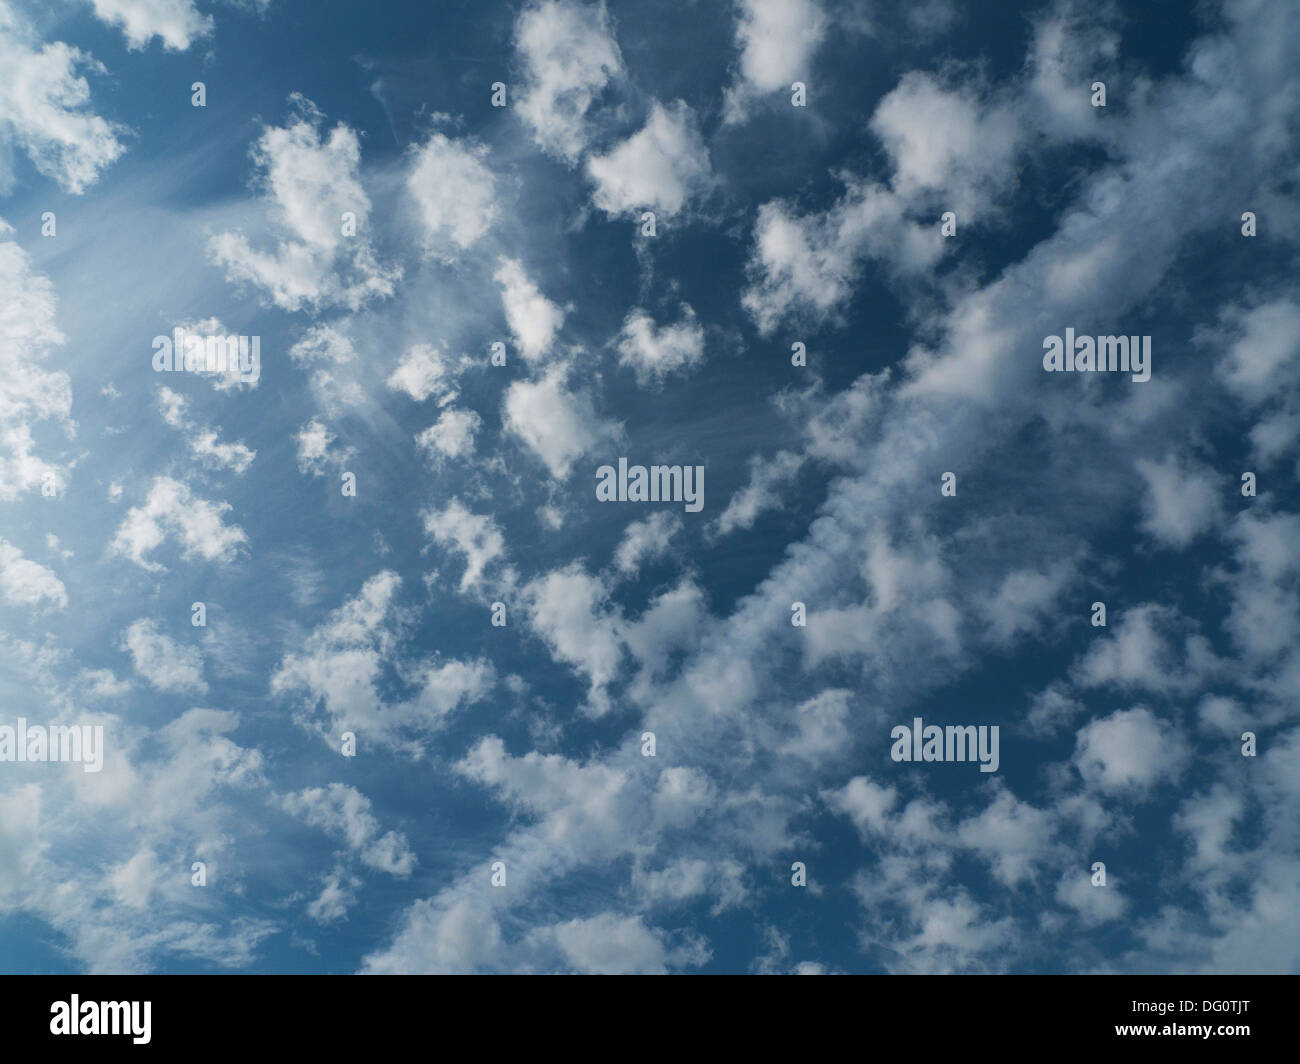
(659, 168)
(763, 492)
(444, 687)
(1264, 356)
(568, 609)
(559, 425)
(1183, 500)
(568, 54)
(338, 669)
(1023, 602)
(43, 108)
(422, 372)
(1011, 835)
(29, 393)
(28, 583)
(344, 811)
(172, 509)
(653, 353)
(533, 319)
(1137, 655)
(1094, 904)
(316, 450)
(205, 443)
(452, 436)
(618, 945)
(177, 23)
(454, 192)
(646, 540)
(335, 369)
(821, 727)
(166, 664)
(337, 896)
(866, 803)
(210, 331)
(808, 265)
(777, 40)
(1129, 751)
(946, 145)
(685, 879)
(476, 536)
(311, 183)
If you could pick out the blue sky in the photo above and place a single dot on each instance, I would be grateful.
(128, 495)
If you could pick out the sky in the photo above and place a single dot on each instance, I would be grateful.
(387, 680)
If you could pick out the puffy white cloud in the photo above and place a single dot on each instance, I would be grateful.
(1011, 835)
(337, 896)
(344, 811)
(866, 803)
(558, 424)
(29, 393)
(165, 797)
(460, 938)
(28, 583)
(609, 944)
(646, 540)
(808, 265)
(177, 23)
(172, 509)
(777, 40)
(1023, 601)
(1094, 905)
(653, 353)
(452, 436)
(316, 450)
(454, 191)
(821, 727)
(166, 664)
(422, 372)
(205, 443)
(660, 168)
(444, 687)
(766, 478)
(685, 879)
(1265, 354)
(1183, 500)
(311, 183)
(946, 144)
(43, 108)
(1139, 653)
(568, 54)
(1067, 54)
(336, 372)
(568, 609)
(338, 668)
(533, 319)
(1129, 751)
(476, 536)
